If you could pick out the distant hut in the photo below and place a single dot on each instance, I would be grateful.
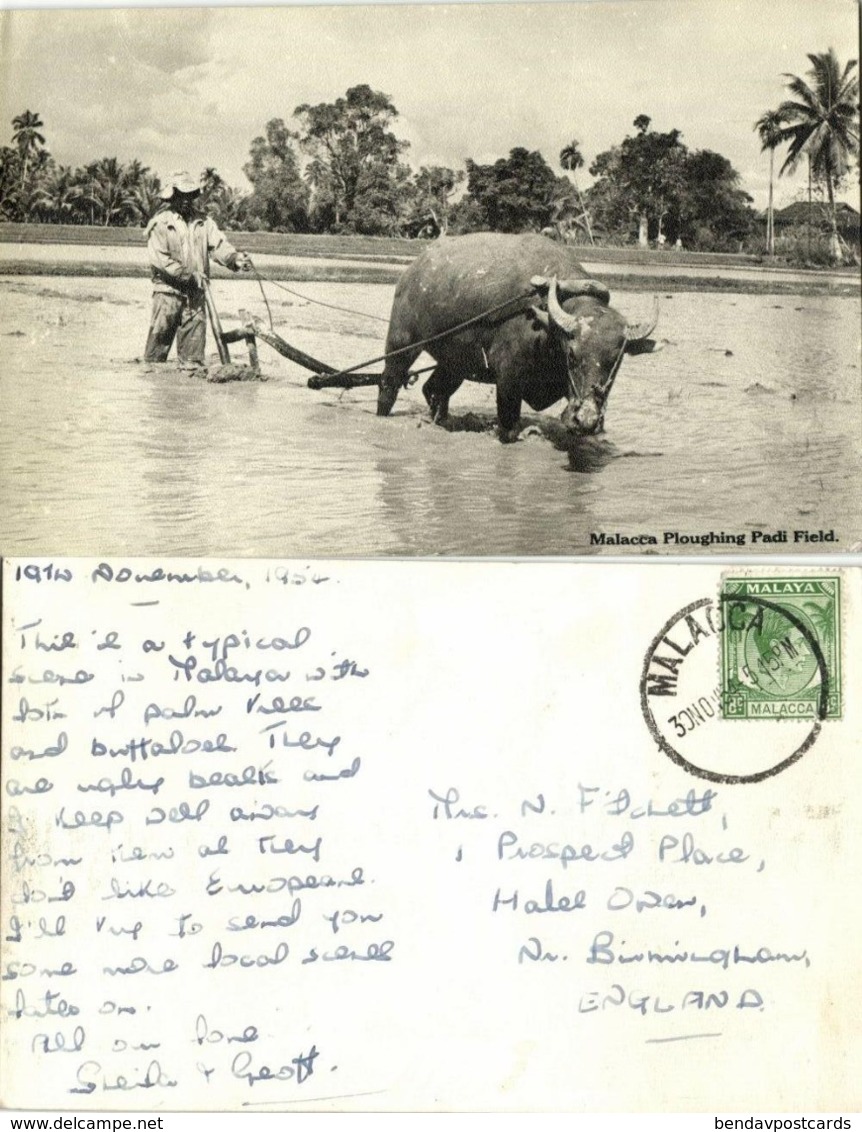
(799, 217)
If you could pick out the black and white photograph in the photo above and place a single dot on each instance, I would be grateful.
(498, 279)
(432, 280)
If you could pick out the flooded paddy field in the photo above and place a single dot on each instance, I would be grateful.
(748, 419)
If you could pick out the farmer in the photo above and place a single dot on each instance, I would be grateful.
(179, 243)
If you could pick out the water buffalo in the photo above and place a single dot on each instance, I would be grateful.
(571, 348)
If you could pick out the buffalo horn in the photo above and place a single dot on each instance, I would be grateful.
(636, 332)
(571, 287)
(566, 322)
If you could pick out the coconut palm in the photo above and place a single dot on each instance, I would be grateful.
(230, 208)
(820, 124)
(27, 139)
(212, 186)
(108, 192)
(10, 182)
(145, 195)
(33, 193)
(135, 173)
(64, 199)
(571, 159)
(768, 127)
(212, 182)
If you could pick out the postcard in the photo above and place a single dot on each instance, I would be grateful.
(402, 280)
(409, 836)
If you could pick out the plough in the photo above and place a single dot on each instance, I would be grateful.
(325, 376)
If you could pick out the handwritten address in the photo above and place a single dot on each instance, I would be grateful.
(234, 874)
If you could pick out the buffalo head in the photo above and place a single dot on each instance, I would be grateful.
(593, 338)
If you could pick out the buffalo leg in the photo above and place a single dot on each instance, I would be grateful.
(508, 414)
(394, 376)
(437, 390)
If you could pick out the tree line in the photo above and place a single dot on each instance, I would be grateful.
(339, 167)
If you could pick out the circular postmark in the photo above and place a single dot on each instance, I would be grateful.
(707, 659)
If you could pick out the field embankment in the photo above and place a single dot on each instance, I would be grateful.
(73, 250)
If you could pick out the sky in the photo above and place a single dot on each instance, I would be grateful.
(187, 88)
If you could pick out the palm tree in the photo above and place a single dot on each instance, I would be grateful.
(61, 196)
(26, 136)
(10, 187)
(145, 195)
(768, 127)
(108, 191)
(212, 182)
(572, 159)
(819, 123)
(135, 173)
(213, 187)
(230, 208)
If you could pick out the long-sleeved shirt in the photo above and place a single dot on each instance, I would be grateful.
(177, 249)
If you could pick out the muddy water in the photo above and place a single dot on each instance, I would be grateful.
(749, 418)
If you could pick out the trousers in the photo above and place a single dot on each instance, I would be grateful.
(181, 317)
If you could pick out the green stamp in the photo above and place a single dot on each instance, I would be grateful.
(781, 648)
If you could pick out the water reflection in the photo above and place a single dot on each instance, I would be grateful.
(175, 422)
(587, 454)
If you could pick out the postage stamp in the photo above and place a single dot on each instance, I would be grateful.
(780, 655)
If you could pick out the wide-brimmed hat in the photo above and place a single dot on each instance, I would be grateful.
(181, 183)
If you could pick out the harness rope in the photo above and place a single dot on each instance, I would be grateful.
(612, 375)
(420, 345)
(266, 301)
(308, 299)
(413, 375)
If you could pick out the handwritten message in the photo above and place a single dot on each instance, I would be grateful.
(335, 835)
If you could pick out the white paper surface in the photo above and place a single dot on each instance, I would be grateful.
(352, 835)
